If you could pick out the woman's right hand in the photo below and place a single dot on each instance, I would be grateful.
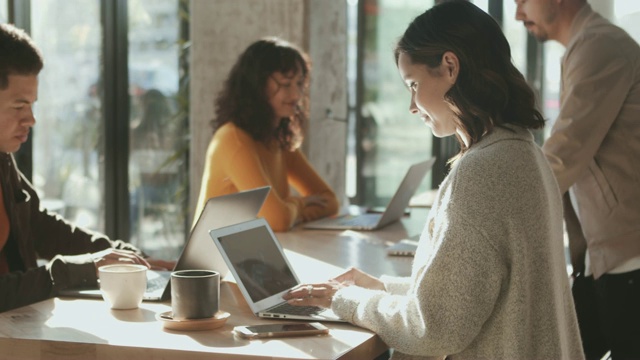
(360, 278)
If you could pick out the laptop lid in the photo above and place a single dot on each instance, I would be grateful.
(263, 272)
(407, 188)
(199, 252)
(393, 211)
(257, 262)
(220, 211)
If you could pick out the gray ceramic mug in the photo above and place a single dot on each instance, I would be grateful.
(195, 294)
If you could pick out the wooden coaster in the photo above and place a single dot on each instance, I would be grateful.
(219, 319)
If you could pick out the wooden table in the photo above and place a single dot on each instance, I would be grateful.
(361, 249)
(65, 328)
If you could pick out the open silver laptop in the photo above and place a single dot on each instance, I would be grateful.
(199, 252)
(393, 212)
(262, 271)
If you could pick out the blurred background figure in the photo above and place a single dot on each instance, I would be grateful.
(153, 170)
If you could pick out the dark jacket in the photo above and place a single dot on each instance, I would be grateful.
(36, 234)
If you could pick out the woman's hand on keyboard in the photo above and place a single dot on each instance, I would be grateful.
(320, 294)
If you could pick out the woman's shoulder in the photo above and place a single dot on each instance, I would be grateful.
(501, 162)
(505, 146)
(231, 132)
(228, 129)
(230, 139)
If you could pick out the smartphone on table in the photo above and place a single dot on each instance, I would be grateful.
(280, 330)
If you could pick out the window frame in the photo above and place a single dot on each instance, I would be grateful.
(115, 108)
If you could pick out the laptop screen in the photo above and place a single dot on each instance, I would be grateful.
(259, 263)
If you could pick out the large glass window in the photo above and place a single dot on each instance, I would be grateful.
(553, 52)
(516, 34)
(482, 4)
(67, 145)
(391, 139)
(71, 141)
(627, 16)
(157, 177)
(3, 11)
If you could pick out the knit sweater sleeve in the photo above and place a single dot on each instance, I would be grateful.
(396, 284)
(451, 301)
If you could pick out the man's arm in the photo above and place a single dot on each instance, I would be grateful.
(36, 233)
(22, 288)
(53, 235)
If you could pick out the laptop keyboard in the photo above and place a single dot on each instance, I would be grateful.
(361, 220)
(157, 281)
(286, 308)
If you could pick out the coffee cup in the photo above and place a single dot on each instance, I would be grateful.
(195, 294)
(123, 285)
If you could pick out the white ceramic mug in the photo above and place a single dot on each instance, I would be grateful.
(123, 285)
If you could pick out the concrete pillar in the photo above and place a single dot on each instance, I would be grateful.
(326, 141)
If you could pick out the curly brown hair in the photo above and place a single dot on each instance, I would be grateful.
(244, 101)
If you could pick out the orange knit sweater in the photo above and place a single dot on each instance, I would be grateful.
(236, 162)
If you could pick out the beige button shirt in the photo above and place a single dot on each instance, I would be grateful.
(594, 146)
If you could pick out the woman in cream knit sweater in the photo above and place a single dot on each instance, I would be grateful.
(489, 279)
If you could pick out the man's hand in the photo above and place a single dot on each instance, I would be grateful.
(115, 256)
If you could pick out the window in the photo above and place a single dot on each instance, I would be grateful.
(627, 16)
(553, 52)
(390, 139)
(67, 146)
(3, 11)
(78, 142)
(482, 4)
(157, 173)
(516, 34)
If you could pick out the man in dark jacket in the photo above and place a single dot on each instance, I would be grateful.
(27, 231)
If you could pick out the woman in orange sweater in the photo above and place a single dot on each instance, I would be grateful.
(257, 135)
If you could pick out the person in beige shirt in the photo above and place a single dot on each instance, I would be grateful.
(593, 150)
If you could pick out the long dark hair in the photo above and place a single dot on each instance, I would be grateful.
(243, 99)
(489, 90)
